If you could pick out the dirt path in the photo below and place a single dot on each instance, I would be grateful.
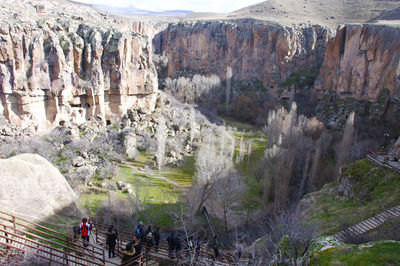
(152, 174)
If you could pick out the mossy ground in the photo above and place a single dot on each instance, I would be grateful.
(381, 253)
(377, 188)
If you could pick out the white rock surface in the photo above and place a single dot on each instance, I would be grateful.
(32, 187)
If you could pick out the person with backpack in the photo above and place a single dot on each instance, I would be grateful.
(112, 236)
(139, 231)
(85, 228)
(157, 236)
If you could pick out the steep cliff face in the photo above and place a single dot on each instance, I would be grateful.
(254, 51)
(58, 67)
(361, 62)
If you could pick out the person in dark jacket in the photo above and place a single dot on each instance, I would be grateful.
(171, 245)
(216, 252)
(178, 245)
(139, 230)
(148, 238)
(112, 236)
(157, 236)
(129, 254)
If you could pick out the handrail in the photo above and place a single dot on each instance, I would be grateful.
(42, 245)
(46, 240)
(68, 239)
(37, 255)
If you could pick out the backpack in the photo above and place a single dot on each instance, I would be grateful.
(149, 235)
(85, 231)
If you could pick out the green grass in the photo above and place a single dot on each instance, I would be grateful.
(374, 187)
(382, 253)
(143, 159)
(92, 200)
(238, 125)
(183, 175)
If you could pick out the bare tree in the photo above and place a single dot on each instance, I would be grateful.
(211, 167)
(287, 241)
(345, 148)
(192, 90)
(227, 194)
(161, 137)
(288, 156)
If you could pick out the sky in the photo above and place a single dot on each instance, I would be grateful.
(218, 6)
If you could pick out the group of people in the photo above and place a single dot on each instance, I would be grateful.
(148, 239)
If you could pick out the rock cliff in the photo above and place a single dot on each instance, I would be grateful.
(361, 62)
(253, 51)
(62, 62)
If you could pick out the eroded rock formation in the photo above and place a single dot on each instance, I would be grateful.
(253, 50)
(31, 185)
(361, 62)
(58, 67)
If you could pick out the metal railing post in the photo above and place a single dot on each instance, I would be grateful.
(14, 224)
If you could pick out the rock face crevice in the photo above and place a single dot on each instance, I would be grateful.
(252, 50)
(361, 62)
(56, 71)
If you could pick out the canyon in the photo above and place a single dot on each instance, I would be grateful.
(89, 66)
(275, 102)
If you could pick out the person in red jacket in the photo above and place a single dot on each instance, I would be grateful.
(85, 229)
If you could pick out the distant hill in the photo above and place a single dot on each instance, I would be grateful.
(328, 12)
(389, 15)
(133, 11)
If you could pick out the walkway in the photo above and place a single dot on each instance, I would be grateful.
(369, 224)
(152, 174)
(384, 160)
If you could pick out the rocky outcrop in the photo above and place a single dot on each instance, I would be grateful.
(58, 67)
(252, 51)
(361, 62)
(33, 187)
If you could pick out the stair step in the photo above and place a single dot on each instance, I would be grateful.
(380, 218)
(370, 225)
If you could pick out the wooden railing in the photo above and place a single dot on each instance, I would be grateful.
(162, 254)
(19, 234)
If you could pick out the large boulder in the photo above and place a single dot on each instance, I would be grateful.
(32, 187)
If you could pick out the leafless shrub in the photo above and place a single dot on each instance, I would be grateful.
(288, 241)
(192, 90)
